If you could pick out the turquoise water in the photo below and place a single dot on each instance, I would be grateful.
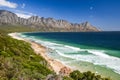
(98, 52)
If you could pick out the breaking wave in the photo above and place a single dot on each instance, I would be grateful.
(97, 57)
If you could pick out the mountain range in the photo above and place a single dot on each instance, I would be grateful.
(45, 24)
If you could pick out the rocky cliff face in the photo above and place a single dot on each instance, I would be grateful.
(47, 24)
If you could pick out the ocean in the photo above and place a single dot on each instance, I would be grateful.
(98, 52)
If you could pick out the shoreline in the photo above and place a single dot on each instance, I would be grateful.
(57, 66)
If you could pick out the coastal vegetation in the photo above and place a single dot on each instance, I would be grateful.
(77, 75)
(18, 61)
(16, 28)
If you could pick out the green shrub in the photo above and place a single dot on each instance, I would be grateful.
(18, 60)
(77, 75)
(67, 78)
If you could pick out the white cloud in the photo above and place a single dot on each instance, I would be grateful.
(23, 12)
(23, 5)
(6, 3)
(22, 15)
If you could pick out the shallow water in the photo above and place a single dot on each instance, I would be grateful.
(98, 52)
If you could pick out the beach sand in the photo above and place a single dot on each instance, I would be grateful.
(55, 65)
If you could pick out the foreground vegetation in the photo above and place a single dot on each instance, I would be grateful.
(77, 75)
(19, 62)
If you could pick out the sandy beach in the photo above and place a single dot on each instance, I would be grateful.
(55, 65)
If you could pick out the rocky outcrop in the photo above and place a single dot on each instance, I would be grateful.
(47, 24)
(65, 71)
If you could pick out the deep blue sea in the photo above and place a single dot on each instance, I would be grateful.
(95, 51)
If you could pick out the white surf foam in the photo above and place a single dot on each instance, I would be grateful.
(74, 48)
(99, 53)
(97, 57)
(109, 61)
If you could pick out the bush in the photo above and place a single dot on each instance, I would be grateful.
(16, 61)
(77, 75)
(67, 78)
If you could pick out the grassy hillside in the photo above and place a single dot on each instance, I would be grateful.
(16, 28)
(18, 61)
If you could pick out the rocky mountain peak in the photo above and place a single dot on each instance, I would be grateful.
(34, 17)
(6, 13)
(87, 23)
(8, 17)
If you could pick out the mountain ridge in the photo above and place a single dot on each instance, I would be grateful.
(48, 24)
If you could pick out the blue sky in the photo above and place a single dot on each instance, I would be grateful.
(104, 14)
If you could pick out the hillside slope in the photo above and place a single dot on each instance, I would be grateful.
(18, 61)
